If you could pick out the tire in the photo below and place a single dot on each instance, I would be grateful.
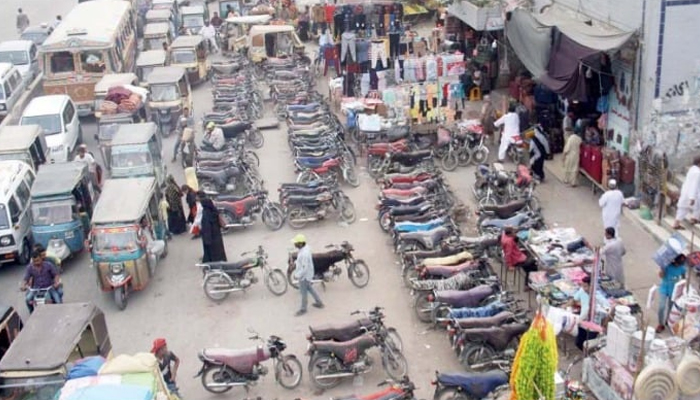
(409, 275)
(422, 307)
(256, 139)
(480, 156)
(321, 364)
(252, 158)
(293, 282)
(449, 161)
(120, 298)
(25, 253)
(307, 176)
(464, 157)
(384, 220)
(347, 212)
(218, 375)
(474, 354)
(358, 273)
(439, 313)
(351, 177)
(276, 282)
(273, 218)
(295, 218)
(534, 204)
(394, 364)
(373, 167)
(487, 201)
(290, 367)
(451, 393)
(393, 339)
(214, 281)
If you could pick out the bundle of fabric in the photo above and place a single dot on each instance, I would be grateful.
(108, 107)
(117, 94)
(130, 104)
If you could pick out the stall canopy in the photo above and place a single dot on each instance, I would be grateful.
(553, 44)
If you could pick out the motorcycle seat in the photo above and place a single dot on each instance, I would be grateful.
(213, 155)
(410, 226)
(231, 266)
(477, 312)
(464, 298)
(411, 158)
(449, 259)
(412, 201)
(313, 162)
(228, 198)
(477, 384)
(305, 191)
(495, 320)
(342, 332)
(241, 360)
(302, 200)
(483, 240)
(404, 192)
(360, 343)
(449, 270)
(301, 185)
(497, 336)
(407, 210)
(434, 235)
(220, 174)
(515, 220)
(504, 210)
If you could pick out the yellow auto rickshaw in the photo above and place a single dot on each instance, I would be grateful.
(170, 95)
(267, 41)
(236, 30)
(190, 52)
(155, 34)
(147, 61)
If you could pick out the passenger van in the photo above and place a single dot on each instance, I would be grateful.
(16, 180)
(12, 86)
(57, 116)
(23, 55)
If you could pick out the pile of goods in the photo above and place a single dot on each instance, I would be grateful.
(535, 363)
(123, 99)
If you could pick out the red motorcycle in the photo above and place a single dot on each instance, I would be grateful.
(241, 211)
(402, 390)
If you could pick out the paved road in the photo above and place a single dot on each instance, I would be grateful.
(175, 307)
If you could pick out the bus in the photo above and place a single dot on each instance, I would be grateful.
(96, 38)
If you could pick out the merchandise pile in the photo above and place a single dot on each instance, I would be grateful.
(123, 99)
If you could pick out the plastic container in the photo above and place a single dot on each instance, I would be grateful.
(669, 250)
(636, 347)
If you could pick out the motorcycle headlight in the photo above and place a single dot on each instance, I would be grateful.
(6, 240)
(116, 268)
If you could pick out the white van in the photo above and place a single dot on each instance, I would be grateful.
(56, 114)
(23, 55)
(16, 180)
(12, 86)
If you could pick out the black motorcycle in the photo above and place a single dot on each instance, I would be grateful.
(241, 211)
(373, 321)
(326, 268)
(301, 209)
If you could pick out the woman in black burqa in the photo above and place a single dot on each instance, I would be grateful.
(176, 214)
(212, 242)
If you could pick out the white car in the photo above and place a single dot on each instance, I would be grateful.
(57, 116)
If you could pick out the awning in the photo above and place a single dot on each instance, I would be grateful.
(583, 30)
(530, 40)
(414, 9)
(486, 18)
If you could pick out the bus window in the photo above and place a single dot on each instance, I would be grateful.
(92, 61)
(62, 61)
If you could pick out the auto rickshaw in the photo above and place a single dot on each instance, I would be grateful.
(193, 17)
(170, 5)
(25, 143)
(38, 361)
(170, 93)
(236, 30)
(62, 202)
(128, 236)
(155, 34)
(190, 52)
(266, 41)
(10, 326)
(136, 151)
(108, 82)
(146, 61)
(162, 16)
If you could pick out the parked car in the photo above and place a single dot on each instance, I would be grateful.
(12, 85)
(23, 55)
(57, 116)
(37, 33)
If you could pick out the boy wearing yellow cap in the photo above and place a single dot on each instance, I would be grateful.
(304, 272)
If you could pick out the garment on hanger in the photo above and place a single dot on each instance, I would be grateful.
(330, 54)
(364, 84)
(431, 68)
(419, 47)
(397, 70)
(330, 12)
(379, 53)
(362, 47)
(394, 41)
(348, 46)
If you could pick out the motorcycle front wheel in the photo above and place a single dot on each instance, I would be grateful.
(422, 307)
(296, 218)
(347, 211)
(475, 354)
(288, 371)
(214, 375)
(293, 282)
(324, 365)
(350, 176)
(393, 339)
(394, 364)
(449, 161)
(256, 139)
(276, 282)
(273, 218)
(358, 273)
(464, 157)
(480, 155)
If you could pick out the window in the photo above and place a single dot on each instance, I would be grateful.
(54, 212)
(8, 89)
(51, 124)
(5, 89)
(15, 80)
(115, 240)
(23, 193)
(17, 57)
(62, 61)
(14, 210)
(68, 113)
(183, 57)
(164, 93)
(4, 222)
(29, 179)
(92, 61)
(32, 53)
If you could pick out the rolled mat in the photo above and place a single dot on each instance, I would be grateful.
(656, 381)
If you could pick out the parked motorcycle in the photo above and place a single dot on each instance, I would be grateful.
(467, 386)
(302, 209)
(223, 369)
(326, 266)
(222, 278)
(373, 321)
(331, 361)
(479, 344)
(241, 211)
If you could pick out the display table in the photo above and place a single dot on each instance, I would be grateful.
(559, 248)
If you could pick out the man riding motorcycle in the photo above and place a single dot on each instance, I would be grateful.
(41, 274)
(214, 137)
(208, 32)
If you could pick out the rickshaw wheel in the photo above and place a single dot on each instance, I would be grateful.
(120, 298)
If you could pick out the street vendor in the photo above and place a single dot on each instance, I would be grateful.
(168, 363)
(514, 257)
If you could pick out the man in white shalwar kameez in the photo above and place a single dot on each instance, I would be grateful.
(511, 128)
(611, 202)
(689, 194)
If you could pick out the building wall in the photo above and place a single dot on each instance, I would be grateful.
(622, 14)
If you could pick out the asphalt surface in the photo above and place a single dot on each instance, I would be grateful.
(174, 305)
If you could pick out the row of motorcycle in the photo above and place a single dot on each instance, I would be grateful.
(316, 139)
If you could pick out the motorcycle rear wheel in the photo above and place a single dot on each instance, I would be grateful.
(351, 177)
(256, 139)
(384, 219)
(273, 218)
(212, 282)
(480, 155)
(393, 339)
(216, 374)
(289, 367)
(296, 218)
(422, 307)
(394, 364)
(449, 161)
(276, 282)
(464, 157)
(358, 272)
(475, 353)
(451, 393)
(321, 365)
(347, 211)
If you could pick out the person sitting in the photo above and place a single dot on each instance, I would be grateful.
(214, 137)
(41, 274)
(514, 257)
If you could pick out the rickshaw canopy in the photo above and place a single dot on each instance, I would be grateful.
(57, 179)
(186, 41)
(161, 75)
(18, 137)
(158, 13)
(134, 133)
(256, 30)
(192, 10)
(156, 29)
(123, 200)
(250, 19)
(112, 80)
(151, 57)
(51, 334)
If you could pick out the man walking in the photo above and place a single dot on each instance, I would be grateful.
(22, 21)
(613, 250)
(688, 199)
(511, 128)
(611, 202)
(304, 272)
